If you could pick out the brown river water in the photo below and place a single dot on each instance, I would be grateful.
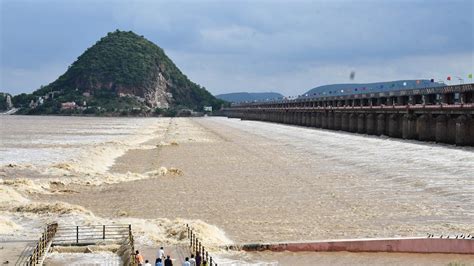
(235, 182)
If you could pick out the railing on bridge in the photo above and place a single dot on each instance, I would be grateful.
(197, 246)
(451, 91)
(131, 244)
(91, 235)
(43, 244)
(97, 235)
(55, 235)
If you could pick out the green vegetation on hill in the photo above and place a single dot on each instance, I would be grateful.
(121, 64)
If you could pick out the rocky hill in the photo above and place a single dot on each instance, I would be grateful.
(122, 73)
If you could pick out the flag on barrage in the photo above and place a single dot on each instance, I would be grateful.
(469, 76)
(432, 80)
(449, 78)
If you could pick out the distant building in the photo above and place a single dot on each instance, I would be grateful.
(207, 108)
(9, 102)
(86, 94)
(68, 106)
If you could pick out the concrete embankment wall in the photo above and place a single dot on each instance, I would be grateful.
(407, 245)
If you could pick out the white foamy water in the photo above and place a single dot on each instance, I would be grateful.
(410, 166)
(64, 149)
(78, 150)
(48, 140)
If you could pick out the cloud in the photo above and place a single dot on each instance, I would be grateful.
(247, 45)
(220, 78)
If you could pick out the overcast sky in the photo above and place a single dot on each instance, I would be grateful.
(230, 46)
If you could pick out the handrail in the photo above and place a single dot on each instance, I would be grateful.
(458, 106)
(380, 94)
(80, 235)
(70, 235)
(196, 246)
(131, 243)
(43, 243)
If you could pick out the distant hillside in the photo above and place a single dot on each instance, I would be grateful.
(122, 72)
(248, 96)
(356, 88)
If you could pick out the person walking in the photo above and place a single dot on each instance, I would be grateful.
(139, 258)
(168, 261)
(186, 262)
(192, 260)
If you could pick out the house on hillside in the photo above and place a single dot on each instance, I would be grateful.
(68, 106)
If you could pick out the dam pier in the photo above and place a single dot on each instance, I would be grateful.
(438, 114)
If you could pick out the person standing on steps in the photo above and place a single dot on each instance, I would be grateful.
(168, 261)
(186, 262)
(192, 260)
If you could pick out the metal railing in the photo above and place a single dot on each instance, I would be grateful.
(43, 244)
(96, 234)
(131, 243)
(91, 234)
(196, 246)
(461, 107)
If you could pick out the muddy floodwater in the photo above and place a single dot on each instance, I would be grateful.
(235, 181)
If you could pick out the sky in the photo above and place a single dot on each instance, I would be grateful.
(254, 46)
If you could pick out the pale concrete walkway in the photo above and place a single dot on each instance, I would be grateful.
(16, 252)
(177, 253)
